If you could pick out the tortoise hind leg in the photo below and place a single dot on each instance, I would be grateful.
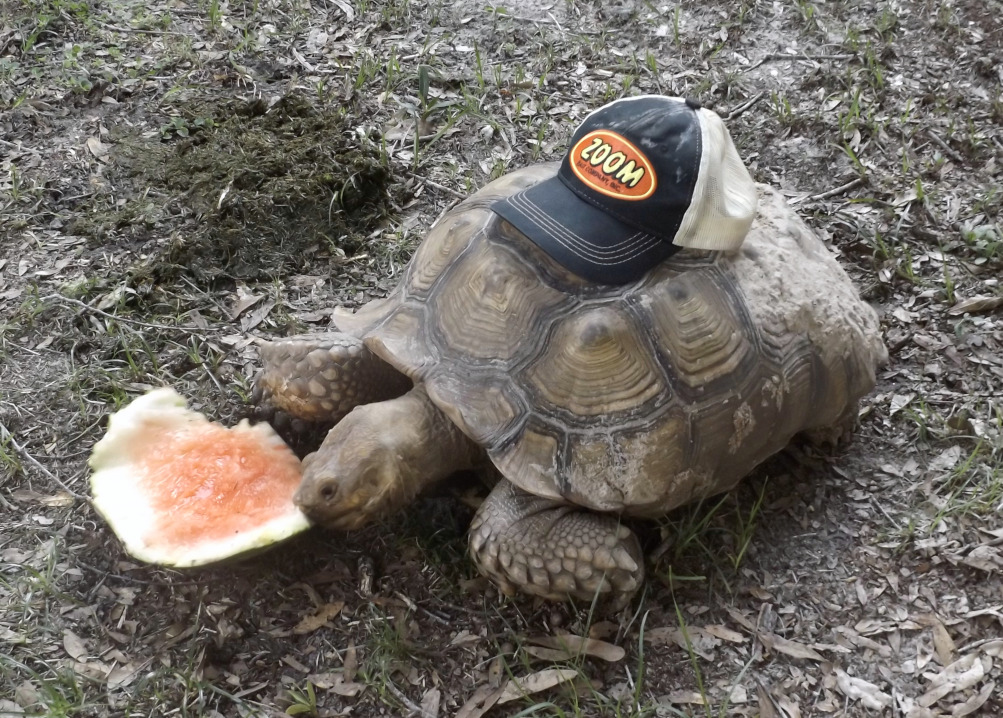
(836, 436)
(322, 377)
(554, 550)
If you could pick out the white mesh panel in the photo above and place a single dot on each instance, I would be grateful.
(724, 198)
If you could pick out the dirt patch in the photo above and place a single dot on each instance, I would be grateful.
(266, 188)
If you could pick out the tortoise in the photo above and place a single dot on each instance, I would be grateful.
(591, 402)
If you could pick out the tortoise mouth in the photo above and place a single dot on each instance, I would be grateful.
(340, 513)
(336, 520)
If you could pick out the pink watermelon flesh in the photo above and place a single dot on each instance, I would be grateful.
(182, 491)
(214, 482)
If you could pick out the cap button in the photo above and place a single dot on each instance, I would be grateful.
(693, 104)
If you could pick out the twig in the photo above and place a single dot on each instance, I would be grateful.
(6, 434)
(557, 24)
(416, 607)
(832, 192)
(146, 325)
(745, 106)
(138, 30)
(852, 184)
(7, 504)
(438, 186)
(540, 21)
(404, 699)
(783, 56)
(946, 147)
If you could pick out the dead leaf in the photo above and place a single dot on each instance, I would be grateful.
(900, 402)
(245, 300)
(984, 558)
(535, 682)
(250, 321)
(547, 654)
(976, 304)
(96, 670)
(700, 641)
(345, 8)
(430, 703)
(858, 689)
(26, 695)
(324, 613)
(336, 683)
(603, 629)
(961, 675)
(97, 148)
(74, 645)
(483, 700)
(946, 460)
(766, 709)
(725, 633)
(690, 697)
(57, 500)
(975, 702)
(295, 663)
(993, 648)
(567, 646)
(789, 648)
(464, 637)
(121, 676)
(943, 644)
(740, 619)
(738, 695)
(9, 636)
(351, 662)
(792, 709)
(496, 671)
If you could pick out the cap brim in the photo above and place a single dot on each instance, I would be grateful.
(561, 223)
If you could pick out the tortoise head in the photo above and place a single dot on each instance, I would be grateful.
(354, 478)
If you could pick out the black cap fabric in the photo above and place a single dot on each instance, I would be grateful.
(621, 193)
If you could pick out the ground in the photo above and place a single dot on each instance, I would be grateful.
(181, 177)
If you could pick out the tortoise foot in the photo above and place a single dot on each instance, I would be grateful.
(838, 435)
(546, 548)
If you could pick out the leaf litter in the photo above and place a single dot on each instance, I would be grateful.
(183, 167)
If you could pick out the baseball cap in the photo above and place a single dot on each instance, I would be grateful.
(644, 177)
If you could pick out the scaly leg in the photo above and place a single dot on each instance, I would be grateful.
(554, 550)
(322, 377)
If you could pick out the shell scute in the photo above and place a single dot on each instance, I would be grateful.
(699, 325)
(442, 247)
(596, 363)
(488, 298)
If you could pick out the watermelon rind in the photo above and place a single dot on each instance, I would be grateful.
(117, 494)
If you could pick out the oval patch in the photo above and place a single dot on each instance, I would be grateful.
(612, 165)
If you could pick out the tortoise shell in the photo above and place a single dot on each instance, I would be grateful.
(634, 398)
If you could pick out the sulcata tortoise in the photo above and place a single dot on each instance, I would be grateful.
(592, 401)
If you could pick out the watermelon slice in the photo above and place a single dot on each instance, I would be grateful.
(182, 491)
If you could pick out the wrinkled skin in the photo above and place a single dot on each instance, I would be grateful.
(378, 458)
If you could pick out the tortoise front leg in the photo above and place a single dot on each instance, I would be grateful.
(554, 550)
(322, 377)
